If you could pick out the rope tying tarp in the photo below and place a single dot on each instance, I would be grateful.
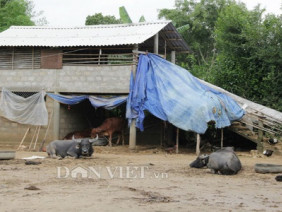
(172, 94)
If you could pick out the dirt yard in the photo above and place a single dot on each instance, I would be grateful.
(114, 179)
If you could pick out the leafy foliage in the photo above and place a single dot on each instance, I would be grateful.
(233, 47)
(15, 12)
(196, 21)
(98, 18)
(142, 19)
(124, 17)
(249, 54)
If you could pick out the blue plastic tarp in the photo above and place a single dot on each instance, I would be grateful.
(68, 100)
(96, 101)
(108, 103)
(172, 94)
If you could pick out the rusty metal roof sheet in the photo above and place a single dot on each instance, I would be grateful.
(92, 35)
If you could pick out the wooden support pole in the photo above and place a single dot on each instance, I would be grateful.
(33, 138)
(177, 130)
(177, 141)
(221, 138)
(198, 144)
(36, 137)
(47, 130)
(23, 138)
(165, 49)
(260, 137)
(162, 133)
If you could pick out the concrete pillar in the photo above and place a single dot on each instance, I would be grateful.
(132, 135)
(132, 130)
(156, 44)
(56, 119)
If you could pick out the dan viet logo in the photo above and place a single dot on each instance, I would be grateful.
(110, 172)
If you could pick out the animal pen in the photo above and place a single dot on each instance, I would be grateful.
(91, 61)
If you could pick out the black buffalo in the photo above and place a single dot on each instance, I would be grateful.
(223, 161)
(200, 161)
(278, 178)
(73, 148)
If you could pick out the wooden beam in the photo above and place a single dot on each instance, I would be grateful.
(169, 31)
(172, 39)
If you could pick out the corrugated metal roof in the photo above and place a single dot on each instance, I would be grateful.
(94, 35)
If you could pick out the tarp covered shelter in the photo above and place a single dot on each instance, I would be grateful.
(167, 91)
(172, 94)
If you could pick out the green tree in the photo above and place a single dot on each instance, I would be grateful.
(249, 54)
(15, 12)
(234, 48)
(98, 18)
(195, 20)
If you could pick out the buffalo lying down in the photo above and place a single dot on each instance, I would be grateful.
(73, 148)
(223, 161)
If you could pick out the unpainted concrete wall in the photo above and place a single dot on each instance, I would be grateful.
(76, 79)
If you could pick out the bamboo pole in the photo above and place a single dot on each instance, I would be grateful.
(36, 137)
(23, 138)
(32, 138)
(47, 130)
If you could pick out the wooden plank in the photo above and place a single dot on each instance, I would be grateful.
(51, 59)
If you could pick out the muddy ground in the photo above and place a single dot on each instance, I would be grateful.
(115, 179)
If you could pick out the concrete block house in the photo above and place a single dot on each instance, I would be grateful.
(95, 60)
